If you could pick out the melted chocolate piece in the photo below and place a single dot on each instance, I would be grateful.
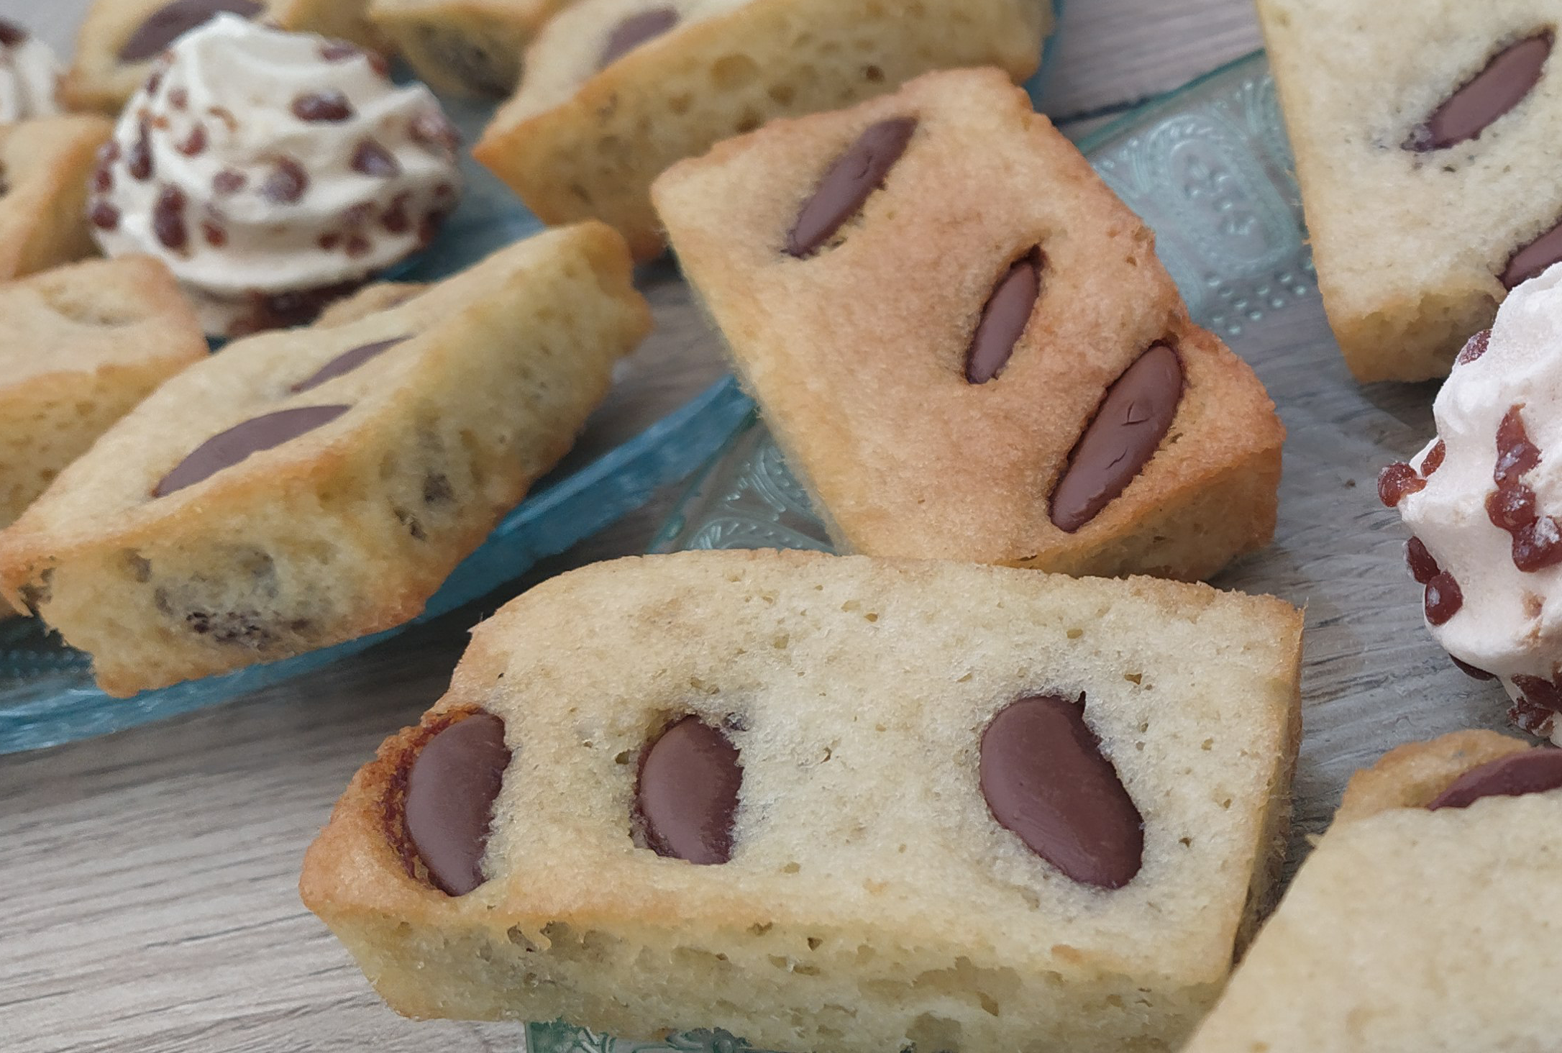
(168, 218)
(1004, 318)
(1045, 778)
(848, 183)
(688, 793)
(286, 183)
(1443, 598)
(104, 216)
(327, 107)
(1474, 348)
(1514, 507)
(1433, 459)
(1397, 482)
(1127, 430)
(1422, 566)
(634, 31)
(348, 361)
(1531, 260)
(451, 789)
(372, 159)
(237, 443)
(1508, 77)
(1534, 771)
(173, 21)
(11, 34)
(1471, 671)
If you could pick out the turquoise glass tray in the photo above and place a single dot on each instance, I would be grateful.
(1210, 170)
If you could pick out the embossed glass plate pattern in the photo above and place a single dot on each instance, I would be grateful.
(46, 692)
(1209, 169)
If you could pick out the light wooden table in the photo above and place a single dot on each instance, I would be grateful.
(149, 878)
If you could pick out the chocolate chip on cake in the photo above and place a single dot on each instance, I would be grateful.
(848, 183)
(451, 788)
(690, 778)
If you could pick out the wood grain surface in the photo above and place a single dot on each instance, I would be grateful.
(150, 877)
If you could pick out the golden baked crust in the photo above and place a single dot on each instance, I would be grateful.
(1412, 775)
(871, 900)
(1408, 246)
(465, 47)
(45, 164)
(578, 142)
(857, 353)
(338, 19)
(349, 528)
(84, 344)
(1409, 930)
(371, 299)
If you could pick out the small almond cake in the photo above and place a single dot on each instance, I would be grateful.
(308, 487)
(1426, 912)
(965, 345)
(120, 39)
(1423, 141)
(83, 345)
(830, 803)
(616, 90)
(466, 47)
(44, 168)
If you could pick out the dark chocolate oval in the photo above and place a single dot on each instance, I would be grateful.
(238, 442)
(1127, 430)
(634, 31)
(854, 176)
(1045, 778)
(451, 789)
(1533, 771)
(688, 793)
(11, 34)
(348, 361)
(1004, 318)
(1532, 260)
(172, 21)
(1510, 75)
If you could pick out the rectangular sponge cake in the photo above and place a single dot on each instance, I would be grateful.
(867, 896)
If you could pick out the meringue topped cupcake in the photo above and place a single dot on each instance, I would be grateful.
(273, 172)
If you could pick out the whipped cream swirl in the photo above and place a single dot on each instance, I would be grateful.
(29, 76)
(1484, 503)
(272, 172)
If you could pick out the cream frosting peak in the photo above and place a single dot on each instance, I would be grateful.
(257, 162)
(1509, 619)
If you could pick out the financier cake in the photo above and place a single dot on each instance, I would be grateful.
(307, 487)
(830, 803)
(1424, 136)
(44, 166)
(616, 90)
(467, 47)
(83, 345)
(964, 342)
(1422, 918)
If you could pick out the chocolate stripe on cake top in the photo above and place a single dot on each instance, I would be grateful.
(1532, 771)
(348, 361)
(1045, 779)
(1510, 75)
(634, 31)
(451, 789)
(1531, 260)
(848, 183)
(1127, 430)
(1004, 318)
(229, 448)
(688, 793)
(174, 20)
